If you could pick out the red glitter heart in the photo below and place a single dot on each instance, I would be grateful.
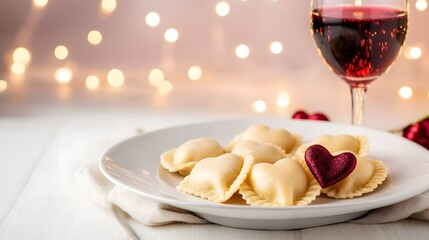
(328, 169)
(315, 116)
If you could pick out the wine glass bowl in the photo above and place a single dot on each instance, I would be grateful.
(359, 40)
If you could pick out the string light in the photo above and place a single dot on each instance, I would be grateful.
(94, 37)
(421, 5)
(242, 51)
(3, 85)
(415, 52)
(108, 5)
(63, 75)
(40, 3)
(115, 78)
(165, 87)
(152, 19)
(61, 52)
(405, 92)
(222, 8)
(18, 68)
(276, 47)
(195, 73)
(92, 82)
(21, 55)
(171, 35)
(259, 106)
(283, 99)
(156, 76)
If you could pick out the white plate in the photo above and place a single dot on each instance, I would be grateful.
(134, 164)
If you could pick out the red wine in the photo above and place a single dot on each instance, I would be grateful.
(359, 42)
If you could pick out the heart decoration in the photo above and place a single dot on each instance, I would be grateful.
(315, 116)
(328, 169)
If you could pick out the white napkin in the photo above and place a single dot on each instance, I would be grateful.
(152, 213)
(145, 211)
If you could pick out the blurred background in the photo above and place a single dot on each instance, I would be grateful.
(228, 58)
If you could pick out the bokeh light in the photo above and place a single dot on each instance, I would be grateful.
(222, 8)
(242, 51)
(259, 106)
(63, 75)
(283, 99)
(152, 19)
(40, 3)
(171, 35)
(108, 5)
(276, 47)
(421, 5)
(92, 82)
(21, 55)
(156, 76)
(3, 85)
(115, 78)
(18, 68)
(165, 87)
(405, 92)
(95, 37)
(195, 73)
(61, 52)
(415, 53)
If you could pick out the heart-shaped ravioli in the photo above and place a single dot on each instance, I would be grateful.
(263, 134)
(339, 143)
(261, 152)
(183, 158)
(217, 178)
(285, 183)
(328, 169)
(366, 176)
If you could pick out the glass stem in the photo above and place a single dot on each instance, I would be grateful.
(358, 98)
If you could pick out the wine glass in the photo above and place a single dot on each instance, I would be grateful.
(359, 40)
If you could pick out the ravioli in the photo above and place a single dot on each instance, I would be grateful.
(340, 143)
(284, 183)
(365, 178)
(183, 158)
(261, 152)
(263, 134)
(217, 178)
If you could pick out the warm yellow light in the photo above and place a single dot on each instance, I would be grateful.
(405, 92)
(156, 76)
(3, 85)
(195, 73)
(171, 35)
(222, 8)
(259, 106)
(283, 99)
(276, 47)
(108, 5)
(21, 55)
(421, 5)
(242, 51)
(94, 37)
(61, 52)
(18, 68)
(165, 87)
(152, 19)
(115, 78)
(92, 82)
(40, 3)
(63, 75)
(415, 53)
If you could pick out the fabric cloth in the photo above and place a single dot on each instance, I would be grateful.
(145, 211)
(152, 213)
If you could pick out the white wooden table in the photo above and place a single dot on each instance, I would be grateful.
(38, 198)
